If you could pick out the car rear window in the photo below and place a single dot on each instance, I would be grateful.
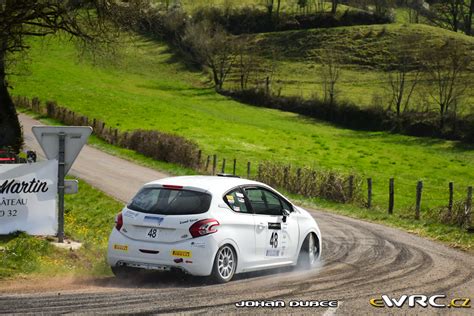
(170, 201)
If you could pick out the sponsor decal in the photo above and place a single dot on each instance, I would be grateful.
(272, 253)
(411, 301)
(130, 214)
(189, 221)
(276, 226)
(293, 303)
(121, 247)
(230, 199)
(154, 219)
(198, 244)
(238, 194)
(181, 253)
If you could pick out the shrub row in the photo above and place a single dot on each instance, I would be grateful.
(252, 20)
(310, 183)
(375, 118)
(157, 145)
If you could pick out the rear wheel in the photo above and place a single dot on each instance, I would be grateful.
(309, 252)
(225, 264)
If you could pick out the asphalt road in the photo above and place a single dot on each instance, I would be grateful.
(360, 261)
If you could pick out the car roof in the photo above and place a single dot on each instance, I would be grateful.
(213, 184)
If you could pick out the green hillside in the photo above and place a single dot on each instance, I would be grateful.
(365, 52)
(147, 87)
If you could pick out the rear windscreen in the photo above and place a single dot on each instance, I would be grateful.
(170, 201)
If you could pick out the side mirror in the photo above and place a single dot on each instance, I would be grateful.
(285, 212)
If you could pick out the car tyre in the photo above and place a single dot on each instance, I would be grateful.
(225, 264)
(309, 252)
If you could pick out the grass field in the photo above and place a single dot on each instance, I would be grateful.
(365, 53)
(148, 88)
(89, 217)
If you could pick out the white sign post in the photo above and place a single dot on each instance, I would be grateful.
(64, 144)
(28, 198)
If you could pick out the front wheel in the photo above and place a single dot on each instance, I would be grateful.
(225, 264)
(308, 253)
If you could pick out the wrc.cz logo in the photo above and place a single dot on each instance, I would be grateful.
(420, 300)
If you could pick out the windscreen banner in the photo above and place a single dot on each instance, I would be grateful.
(28, 198)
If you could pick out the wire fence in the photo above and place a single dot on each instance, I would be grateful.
(442, 204)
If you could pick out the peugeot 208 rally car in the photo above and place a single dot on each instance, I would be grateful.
(211, 226)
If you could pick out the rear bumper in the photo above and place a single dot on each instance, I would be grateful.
(193, 256)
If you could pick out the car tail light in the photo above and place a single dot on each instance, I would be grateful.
(119, 221)
(204, 227)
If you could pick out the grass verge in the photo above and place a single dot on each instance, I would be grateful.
(89, 218)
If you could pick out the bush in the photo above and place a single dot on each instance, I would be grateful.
(310, 182)
(154, 144)
(252, 20)
(375, 118)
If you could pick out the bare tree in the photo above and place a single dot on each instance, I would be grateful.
(406, 72)
(334, 4)
(330, 74)
(446, 67)
(86, 21)
(213, 48)
(450, 14)
(469, 12)
(247, 63)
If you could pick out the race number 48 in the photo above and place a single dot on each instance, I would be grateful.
(274, 240)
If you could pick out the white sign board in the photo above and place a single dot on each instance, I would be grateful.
(28, 198)
(75, 138)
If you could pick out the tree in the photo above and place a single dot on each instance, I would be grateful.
(330, 74)
(451, 14)
(334, 4)
(212, 48)
(469, 12)
(446, 67)
(85, 20)
(404, 78)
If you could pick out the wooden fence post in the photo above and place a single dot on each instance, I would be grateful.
(208, 160)
(235, 164)
(285, 177)
(351, 187)
(419, 191)
(223, 166)
(214, 165)
(248, 169)
(199, 159)
(469, 209)
(450, 203)
(259, 172)
(391, 197)
(298, 180)
(369, 193)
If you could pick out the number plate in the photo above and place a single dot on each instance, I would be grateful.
(152, 233)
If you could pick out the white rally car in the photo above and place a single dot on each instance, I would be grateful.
(213, 226)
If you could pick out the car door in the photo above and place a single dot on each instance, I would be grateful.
(276, 237)
(241, 226)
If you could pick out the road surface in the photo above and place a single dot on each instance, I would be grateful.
(360, 261)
